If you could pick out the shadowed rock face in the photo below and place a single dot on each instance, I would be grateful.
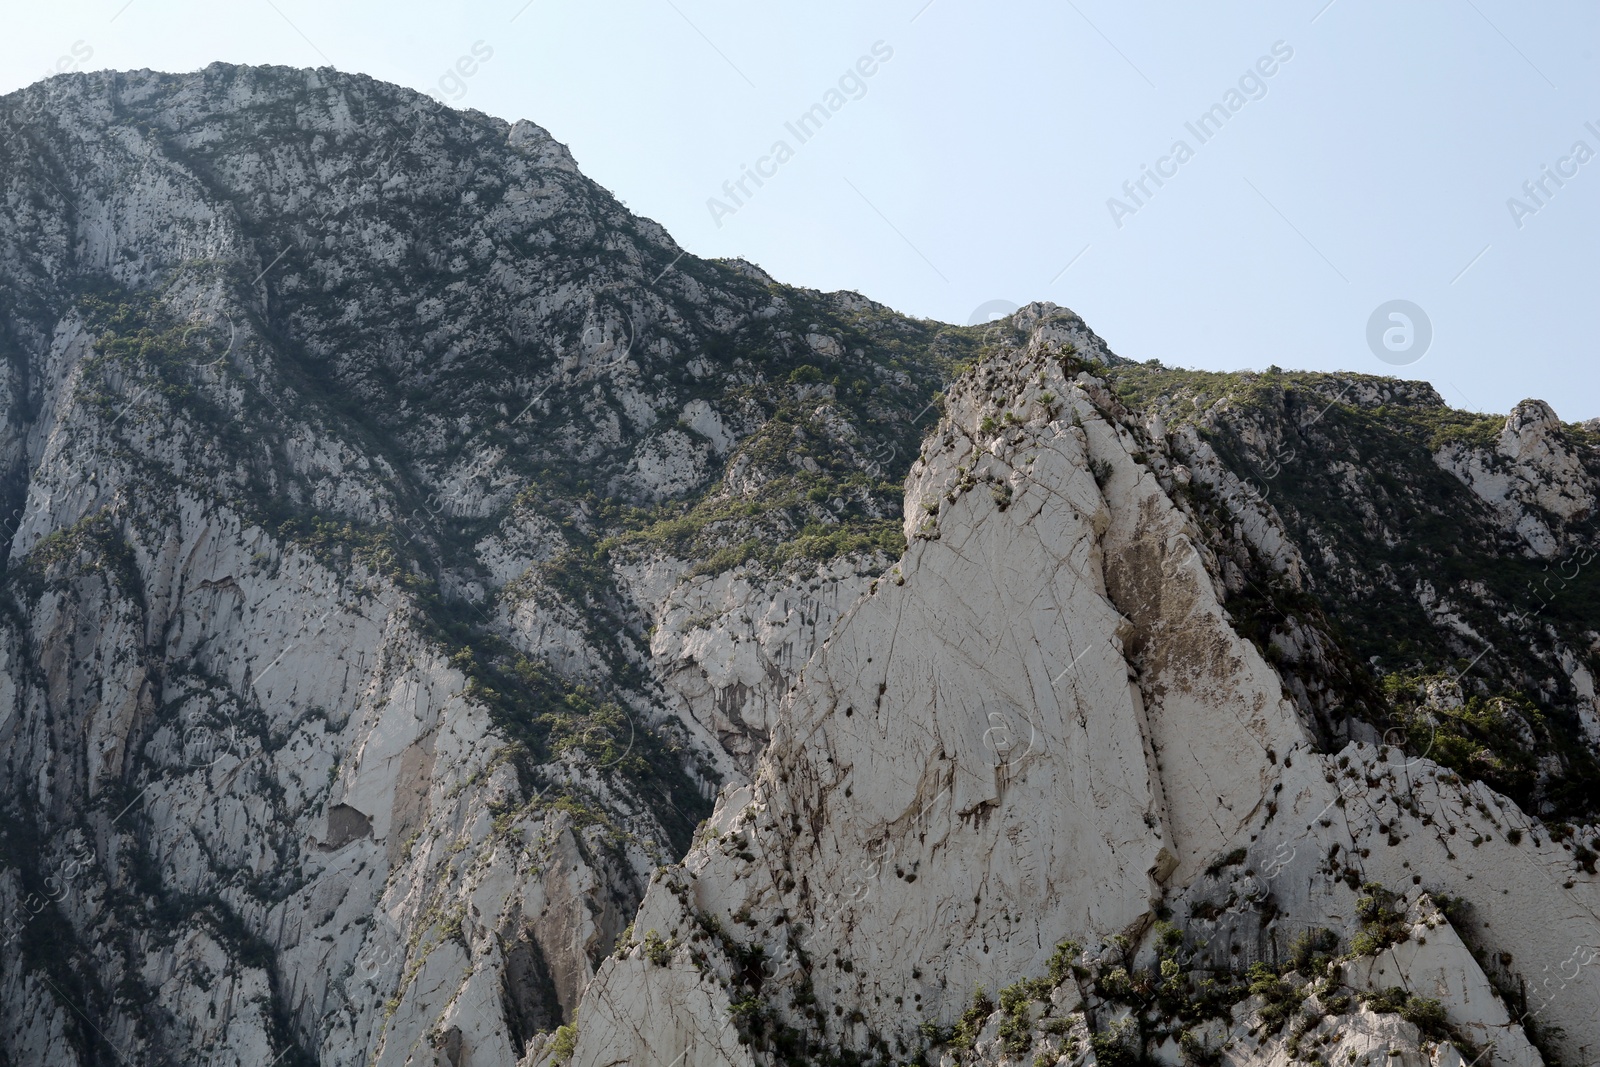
(346, 824)
(409, 548)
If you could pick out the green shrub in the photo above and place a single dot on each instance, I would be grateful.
(965, 1034)
(1117, 1047)
(1195, 1052)
(1383, 920)
(657, 949)
(565, 1043)
(1015, 1031)
(1061, 961)
(1282, 998)
(1426, 1015)
(1385, 1001)
(1312, 953)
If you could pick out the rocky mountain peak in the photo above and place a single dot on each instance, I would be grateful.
(447, 623)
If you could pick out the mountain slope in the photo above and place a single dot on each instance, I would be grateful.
(1045, 762)
(409, 549)
(352, 453)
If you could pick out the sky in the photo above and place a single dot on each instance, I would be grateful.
(1410, 189)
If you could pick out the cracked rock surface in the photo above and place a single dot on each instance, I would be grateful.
(442, 622)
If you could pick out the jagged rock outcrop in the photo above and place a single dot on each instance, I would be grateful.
(443, 622)
(1532, 479)
(1043, 726)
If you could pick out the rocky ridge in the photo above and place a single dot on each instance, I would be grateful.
(1082, 769)
(410, 548)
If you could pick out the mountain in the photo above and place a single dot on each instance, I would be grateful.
(444, 622)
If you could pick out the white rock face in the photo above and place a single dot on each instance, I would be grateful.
(357, 756)
(704, 420)
(730, 646)
(971, 770)
(1532, 480)
(974, 719)
(1407, 821)
(375, 637)
(675, 464)
(261, 743)
(329, 719)
(1434, 963)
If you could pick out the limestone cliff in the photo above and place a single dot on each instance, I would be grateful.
(446, 623)
(1040, 759)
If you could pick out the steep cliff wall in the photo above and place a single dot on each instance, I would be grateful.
(409, 549)
(1044, 727)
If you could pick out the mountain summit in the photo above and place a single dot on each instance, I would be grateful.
(444, 622)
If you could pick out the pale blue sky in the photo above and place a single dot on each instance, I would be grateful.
(976, 162)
